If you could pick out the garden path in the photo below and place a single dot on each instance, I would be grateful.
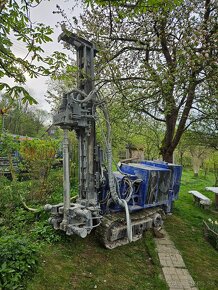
(175, 272)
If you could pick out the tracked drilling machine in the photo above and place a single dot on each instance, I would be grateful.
(121, 205)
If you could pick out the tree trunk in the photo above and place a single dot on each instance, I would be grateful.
(167, 148)
(173, 136)
(168, 156)
(196, 162)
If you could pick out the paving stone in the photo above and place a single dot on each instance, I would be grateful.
(171, 260)
(190, 288)
(176, 288)
(174, 284)
(164, 242)
(173, 266)
(167, 249)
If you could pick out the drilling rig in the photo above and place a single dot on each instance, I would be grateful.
(119, 205)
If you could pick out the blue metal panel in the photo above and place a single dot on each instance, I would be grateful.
(176, 179)
(154, 184)
(159, 163)
(176, 174)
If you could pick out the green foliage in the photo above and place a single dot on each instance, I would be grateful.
(135, 7)
(55, 180)
(154, 72)
(16, 92)
(43, 231)
(4, 181)
(39, 150)
(8, 198)
(8, 144)
(18, 259)
(38, 157)
(129, 129)
(18, 254)
(211, 165)
(15, 23)
(193, 150)
(22, 120)
(10, 203)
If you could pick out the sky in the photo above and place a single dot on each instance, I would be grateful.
(43, 13)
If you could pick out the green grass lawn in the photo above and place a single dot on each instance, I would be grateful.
(78, 263)
(84, 264)
(185, 227)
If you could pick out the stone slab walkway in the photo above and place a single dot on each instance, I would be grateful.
(173, 266)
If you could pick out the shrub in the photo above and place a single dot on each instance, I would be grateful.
(43, 231)
(39, 156)
(18, 259)
(10, 196)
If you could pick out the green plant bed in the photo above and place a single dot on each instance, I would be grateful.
(18, 260)
(211, 233)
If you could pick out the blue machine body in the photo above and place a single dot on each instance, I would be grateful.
(153, 183)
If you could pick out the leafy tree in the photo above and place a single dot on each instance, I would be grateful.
(15, 21)
(195, 147)
(198, 154)
(211, 165)
(134, 7)
(206, 132)
(20, 119)
(161, 59)
(182, 152)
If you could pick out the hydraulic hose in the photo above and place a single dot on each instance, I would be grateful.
(112, 185)
(87, 98)
(128, 221)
